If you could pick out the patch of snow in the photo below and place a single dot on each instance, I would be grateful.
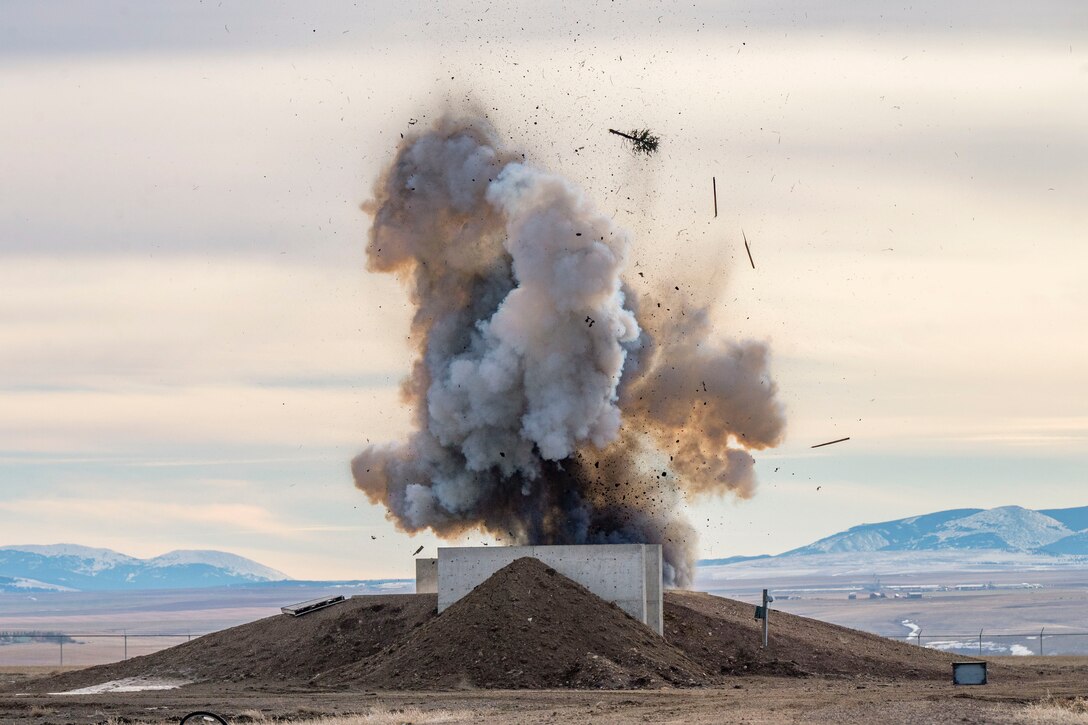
(857, 541)
(972, 647)
(1019, 650)
(22, 583)
(128, 684)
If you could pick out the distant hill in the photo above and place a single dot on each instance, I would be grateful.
(1008, 528)
(1054, 532)
(61, 567)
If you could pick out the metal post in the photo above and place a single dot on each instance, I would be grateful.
(61, 640)
(126, 644)
(980, 643)
(919, 636)
(766, 617)
(1041, 641)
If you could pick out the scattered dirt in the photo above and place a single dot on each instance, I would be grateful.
(527, 627)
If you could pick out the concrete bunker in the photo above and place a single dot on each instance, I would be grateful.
(628, 575)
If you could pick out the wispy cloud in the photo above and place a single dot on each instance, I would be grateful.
(247, 517)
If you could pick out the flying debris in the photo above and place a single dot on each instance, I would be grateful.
(417, 551)
(642, 141)
(840, 440)
(529, 421)
(747, 249)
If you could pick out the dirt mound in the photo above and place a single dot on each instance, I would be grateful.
(723, 636)
(527, 626)
(273, 652)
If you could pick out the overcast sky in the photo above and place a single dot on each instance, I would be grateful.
(191, 350)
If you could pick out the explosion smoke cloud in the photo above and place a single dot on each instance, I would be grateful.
(543, 408)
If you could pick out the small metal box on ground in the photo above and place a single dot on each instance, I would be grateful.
(969, 673)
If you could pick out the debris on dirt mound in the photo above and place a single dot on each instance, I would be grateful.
(722, 636)
(527, 626)
(272, 652)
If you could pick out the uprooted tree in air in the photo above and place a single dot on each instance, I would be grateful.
(641, 140)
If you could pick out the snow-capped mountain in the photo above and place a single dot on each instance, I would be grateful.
(1008, 528)
(1014, 527)
(85, 559)
(73, 567)
(232, 563)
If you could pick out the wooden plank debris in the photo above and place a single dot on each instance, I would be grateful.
(840, 440)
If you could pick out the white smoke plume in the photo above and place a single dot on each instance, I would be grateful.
(543, 408)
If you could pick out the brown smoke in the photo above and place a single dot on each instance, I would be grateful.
(545, 412)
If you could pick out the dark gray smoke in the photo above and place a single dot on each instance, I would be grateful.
(545, 413)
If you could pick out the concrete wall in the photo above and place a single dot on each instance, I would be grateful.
(655, 605)
(426, 576)
(627, 574)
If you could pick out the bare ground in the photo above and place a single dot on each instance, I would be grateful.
(749, 700)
